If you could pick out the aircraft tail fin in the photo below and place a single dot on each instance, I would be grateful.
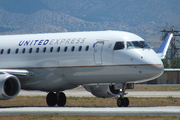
(164, 46)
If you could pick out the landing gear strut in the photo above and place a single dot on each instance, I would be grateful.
(58, 98)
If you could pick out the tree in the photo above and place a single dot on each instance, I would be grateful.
(175, 63)
(165, 62)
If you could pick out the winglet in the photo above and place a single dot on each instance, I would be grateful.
(164, 46)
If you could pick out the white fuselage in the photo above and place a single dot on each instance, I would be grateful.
(66, 60)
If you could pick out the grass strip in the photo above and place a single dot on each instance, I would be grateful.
(155, 88)
(37, 101)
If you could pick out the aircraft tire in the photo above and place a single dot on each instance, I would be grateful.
(125, 102)
(51, 99)
(61, 101)
(119, 102)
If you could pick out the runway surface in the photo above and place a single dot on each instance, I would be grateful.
(80, 92)
(102, 111)
(83, 93)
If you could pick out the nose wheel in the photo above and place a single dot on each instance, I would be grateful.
(58, 98)
(123, 102)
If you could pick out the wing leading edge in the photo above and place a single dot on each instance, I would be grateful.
(18, 72)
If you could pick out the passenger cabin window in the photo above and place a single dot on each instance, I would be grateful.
(137, 44)
(72, 49)
(58, 49)
(119, 46)
(9, 50)
(2, 51)
(65, 49)
(37, 50)
(23, 51)
(30, 50)
(87, 48)
(51, 49)
(44, 50)
(80, 47)
(17, 50)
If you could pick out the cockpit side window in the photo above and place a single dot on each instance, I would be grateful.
(119, 46)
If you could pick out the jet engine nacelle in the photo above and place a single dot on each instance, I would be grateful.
(9, 86)
(102, 91)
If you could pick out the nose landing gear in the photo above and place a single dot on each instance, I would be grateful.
(123, 102)
(58, 98)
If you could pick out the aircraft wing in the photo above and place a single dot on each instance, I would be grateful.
(164, 46)
(172, 70)
(18, 72)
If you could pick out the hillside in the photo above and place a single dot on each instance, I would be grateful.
(145, 18)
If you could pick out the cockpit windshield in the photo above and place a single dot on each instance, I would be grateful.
(137, 44)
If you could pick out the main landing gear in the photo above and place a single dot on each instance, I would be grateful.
(58, 98)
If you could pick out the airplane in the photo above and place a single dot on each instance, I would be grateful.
(105, 63)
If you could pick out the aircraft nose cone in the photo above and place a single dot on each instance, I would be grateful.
(160, 68)
(156, 70)
(155, 66)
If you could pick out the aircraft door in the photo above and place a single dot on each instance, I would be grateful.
(98, 53)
